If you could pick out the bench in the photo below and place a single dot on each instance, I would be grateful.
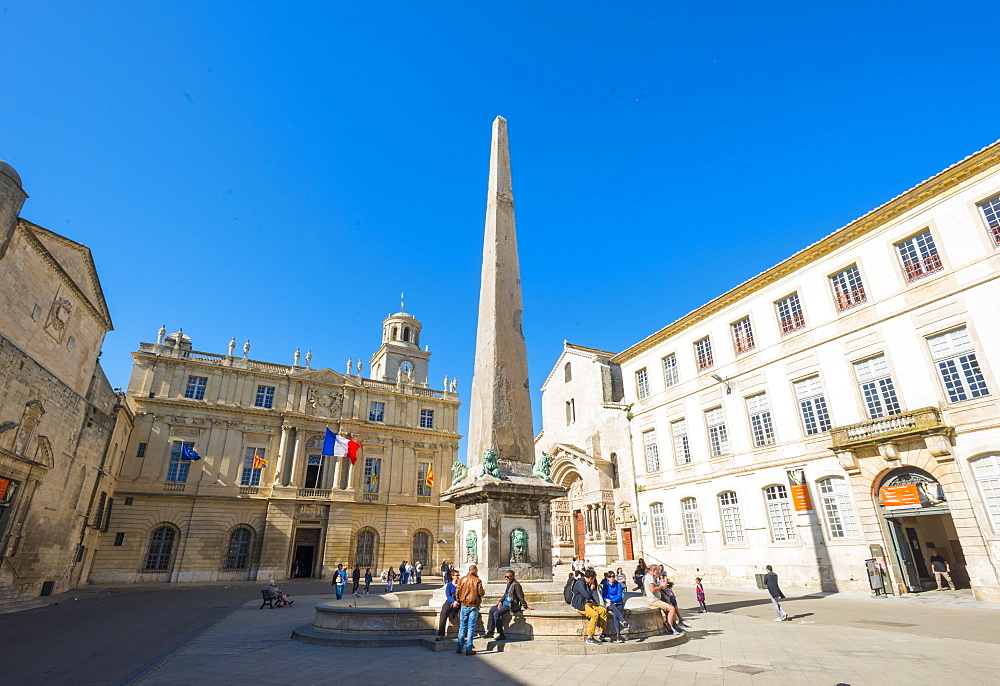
(269, 600)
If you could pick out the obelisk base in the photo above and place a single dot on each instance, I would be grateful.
(493, 518)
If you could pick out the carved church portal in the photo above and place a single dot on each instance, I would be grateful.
(918, 521)
(580, 534)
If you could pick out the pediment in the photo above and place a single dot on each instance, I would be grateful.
(320, 376)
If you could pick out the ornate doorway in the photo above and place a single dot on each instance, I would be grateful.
(579, 534)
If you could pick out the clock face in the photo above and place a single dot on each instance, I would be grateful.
(406, 366)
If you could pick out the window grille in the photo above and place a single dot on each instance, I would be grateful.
(743, 335)
(991, 212)
(161, 546)
(848, 289)
(920, 256)
(238, 549)
(790, 317)
(703, 353)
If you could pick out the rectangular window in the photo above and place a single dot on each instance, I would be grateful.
(956, 361)
(790, 317)
(743, 335)
(682, 448)
(119, 538)
(253, 465)
(659, 525)
(779, 512)
(840, 522)
(426, 419)
(760, 420)
(570, 411)
(376, 412)
(920, 256)
(991, 212)
(692, 521)
(815, 416)
(373, 466)
(315, 465)
(703, 353)
(177, 470)
(732, 523)
(876, 387)
(422, 487)
(129, 501)
(848, 289)
(718, 439)
(265, 397)
(141, 450)
(652, 451)
(670, 375)
(196, 387)
(642, 383)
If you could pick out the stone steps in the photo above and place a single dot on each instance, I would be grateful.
(574, 646)
(14, 601)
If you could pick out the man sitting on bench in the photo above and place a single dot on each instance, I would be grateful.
(274, 593)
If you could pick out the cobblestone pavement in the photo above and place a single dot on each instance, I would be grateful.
(829, 640)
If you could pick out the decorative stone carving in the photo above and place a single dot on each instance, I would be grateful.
(889, 452)
(543, 468)
(246, 348)
(848, 461)
(458, 473)
(491, 465)
(309, 358)
(32, 415)
(296, 356)
(519, 546)
(59, 314)
(232, 346)
(472, 547)
(43, 452)
(350, 364)
(161, 334)
(454, 385)
(311, 511)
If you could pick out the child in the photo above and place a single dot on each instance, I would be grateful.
(699, 592)
(672, 599)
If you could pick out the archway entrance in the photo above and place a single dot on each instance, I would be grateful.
(919, 524)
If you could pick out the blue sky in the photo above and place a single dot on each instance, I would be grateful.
(281, 172)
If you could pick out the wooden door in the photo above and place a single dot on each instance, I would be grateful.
(627, 544)
(580, 536)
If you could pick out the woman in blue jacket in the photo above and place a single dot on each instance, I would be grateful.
(613, 592)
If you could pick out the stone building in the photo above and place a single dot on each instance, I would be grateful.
(263, 501)
(837, 408)
(586, 435)
(63, 429)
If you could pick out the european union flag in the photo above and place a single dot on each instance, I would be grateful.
(188, 453)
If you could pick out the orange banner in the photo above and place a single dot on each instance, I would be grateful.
(4, 485)
(900, 497)
(800, 491)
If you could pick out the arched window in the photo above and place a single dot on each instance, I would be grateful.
(779, 512)
(692, 521)
(568, 372)
(840, 521)
(732, 523)
(615, 483)
(238, 550)
(161, 548)
(986, 469)
(406, 334)
(395, 333)
(364, 549)
(421, 545)
(659, 525)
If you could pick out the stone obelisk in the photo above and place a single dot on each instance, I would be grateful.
(501, 401)
(503, 501)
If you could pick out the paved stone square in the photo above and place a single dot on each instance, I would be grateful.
(829, 640)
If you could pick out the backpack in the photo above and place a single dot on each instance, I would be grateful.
(568, 591)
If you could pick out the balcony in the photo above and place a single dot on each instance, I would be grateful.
(249, 490)
(370, 497)
(174, 486)
(923, 422)
(323, 493)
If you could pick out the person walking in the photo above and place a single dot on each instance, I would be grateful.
(356, 579)
(652, 585)
(699, 593)
(512, 601)
(469, 592)
(418, 569)
(613, 592)
(390, 577)
(451, 605)
(368, 579)
(941, 568)
(771, 582)
(587, 601)
(340, 580)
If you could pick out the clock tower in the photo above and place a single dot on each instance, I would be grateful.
(400, 356)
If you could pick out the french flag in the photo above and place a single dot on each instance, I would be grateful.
(340, 446)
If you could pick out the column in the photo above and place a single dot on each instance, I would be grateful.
(296, 456)
(279, 462)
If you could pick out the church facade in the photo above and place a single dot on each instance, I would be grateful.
(63, 429)
(263, 501)
(835, 416)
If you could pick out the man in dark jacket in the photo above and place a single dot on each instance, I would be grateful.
(587, 601)
(451, 605)
(771, 581)
(512, 601)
